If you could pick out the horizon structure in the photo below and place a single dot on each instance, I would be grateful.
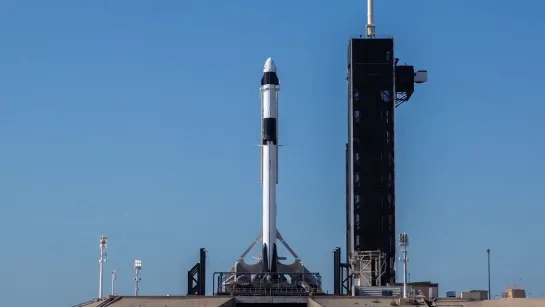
(268, 271)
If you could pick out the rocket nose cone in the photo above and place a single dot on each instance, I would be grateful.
(269, 66)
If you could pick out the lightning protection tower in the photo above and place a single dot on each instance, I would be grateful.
(103, 245)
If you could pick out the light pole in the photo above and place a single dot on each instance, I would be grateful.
(113, 281)
(137, 279)
(101, 260)
(404, 243)
(489, 291)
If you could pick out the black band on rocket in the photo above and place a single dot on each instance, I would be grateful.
(269, 131)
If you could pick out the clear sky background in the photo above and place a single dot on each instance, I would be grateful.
(139, 119)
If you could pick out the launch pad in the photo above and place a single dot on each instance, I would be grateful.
(254, 284)
(249, 279)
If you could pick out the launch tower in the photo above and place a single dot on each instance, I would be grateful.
(376, 86)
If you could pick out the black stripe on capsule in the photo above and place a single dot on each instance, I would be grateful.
(270, 78)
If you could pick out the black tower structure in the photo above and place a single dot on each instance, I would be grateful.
(371, 188)
(376, 86)
(196, 277)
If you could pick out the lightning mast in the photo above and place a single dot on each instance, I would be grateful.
(370, 28)
(103, 245)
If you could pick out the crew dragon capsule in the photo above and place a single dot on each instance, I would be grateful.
(270, 86)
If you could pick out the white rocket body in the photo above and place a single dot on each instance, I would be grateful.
(269, 161)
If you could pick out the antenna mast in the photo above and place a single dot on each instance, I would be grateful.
(370, 22)
(101, 260)
(137, 279)
(404, 243)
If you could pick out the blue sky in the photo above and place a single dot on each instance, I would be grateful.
(139, 119)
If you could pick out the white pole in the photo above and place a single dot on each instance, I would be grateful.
(101, 260)
(136, 282)
(137, 279)
(369, 12)
(405, 273)
(370, 20)
(404, 243)
(113, 282)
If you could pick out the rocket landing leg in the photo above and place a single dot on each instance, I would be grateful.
(254, 275)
